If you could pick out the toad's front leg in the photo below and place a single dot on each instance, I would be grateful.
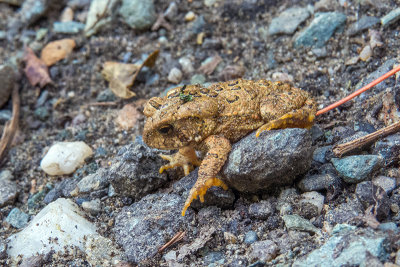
(185, 157)
(218, 148)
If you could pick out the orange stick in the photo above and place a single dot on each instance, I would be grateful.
(359, 91)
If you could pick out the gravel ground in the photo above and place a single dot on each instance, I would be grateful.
(343, 210)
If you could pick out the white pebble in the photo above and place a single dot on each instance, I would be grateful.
(186, 63)
(315, 199)
(190, 16)
(175, 75)
(65, 157)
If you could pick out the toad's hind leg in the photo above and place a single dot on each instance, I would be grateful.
(218, 150)
(298, 118)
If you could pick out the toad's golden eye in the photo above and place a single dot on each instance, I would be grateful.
(166, 129)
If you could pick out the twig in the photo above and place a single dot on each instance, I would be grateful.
(11, 126)
(178, 237)
(342, 149)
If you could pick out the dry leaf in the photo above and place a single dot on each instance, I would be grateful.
(36, 70)
(122, 76)
(56, 51)
(209, 67)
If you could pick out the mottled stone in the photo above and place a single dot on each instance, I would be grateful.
(288, 21)
(355, 169)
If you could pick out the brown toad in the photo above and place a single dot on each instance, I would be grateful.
(210, 119)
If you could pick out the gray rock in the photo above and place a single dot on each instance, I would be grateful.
(3, 249)
(265, 250)
(345, 212)
(198, 79)
(288, 20)
(386, 183)
(6, 175)
(214, 257)
(138, 14)
(17, 218)
(321, 29)
(92, 182)
(348, 246)
(215, 196)
(320, 154)
(363, 23)
(262, 210)
(370, 194)
(171, 12)
(93, 206)
(388, 148)
(101, 251)
(388, 226)
(318, 182)
(8, 192)
(385, 67)
(34, 261)
(250, 237)
(275, 158)
(68, 27)
(135, 170)
(355, 169)
(391, 17)
(295, 222)
(142, 228)
(314, 199)
(32, 10)
(198, 25)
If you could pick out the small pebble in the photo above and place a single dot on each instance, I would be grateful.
(295, 222)
(172, 11)
(69, 27)
(65, 157)
(175, 76)
(265, 250)
(93, 207)
(315, 199)
(67, 14)
(366, 53)
(250, 237)
(198, 79)
(8, 192)
(17, 218)
(5, 115)
(186, 63)
(190, 16)
(3, 249)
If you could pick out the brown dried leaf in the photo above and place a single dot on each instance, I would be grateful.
(122, 76)
(36, 70)
(56, 51)
(209, 67)
(231, 72)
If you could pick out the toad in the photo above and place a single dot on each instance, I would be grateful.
(209, 119)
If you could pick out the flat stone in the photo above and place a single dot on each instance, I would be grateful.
(355, 169)
(60, 225)
(365, 22)
(262, 210)
(321, 29)
(295, 222)
(391, 17)
(386, 183)
(313, 198)
(320, 154)
(318, 182)
(348, 246)
(345, 212)
(288, 20)
(68, 27)
(273, 159)
(17, 218)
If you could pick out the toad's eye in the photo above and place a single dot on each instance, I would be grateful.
(166, 129)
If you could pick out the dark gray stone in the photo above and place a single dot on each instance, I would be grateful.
(262, 210)
(273, 159)
(372, 195)
(348, 246)
(215, 196)
(386, 183)
(355, 169)
(288, 20)
(345, 212)
(8, 192)
(389, 149)
(7, 76)
(142, 228)
(321, 29)
(250, 237)
(318, 182)
(363, 23)
(17, 218)
(320, 154)
(138, 14)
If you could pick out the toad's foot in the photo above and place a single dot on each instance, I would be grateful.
(200, 189)
(184, 158)
(295, 119)
(218, 148)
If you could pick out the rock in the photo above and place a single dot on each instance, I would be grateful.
(134, 172)
(386, 183)
(214, 257)
(186, 63)
(366, 53)
(265, 250)
(388, 226)
(313, 198)
(262, 210)
(250, 237)
(355, 169)
(348, 246)
(100, 251)
(93, 206)
(365, 22)
(7, 76)
(138, 14)
(318, 181)
(321, 29)
(275, 158)
(288, 20)
(8, 192)
(68, 27)
(391, 17)
(99, 9)
(171, 12)
(190, 16)
(128, 116)
(198, 79)
(212, 44)
(34, 261)
(58, 226)
(42, 113)
(295, 222)
(32, 10)
(370, 194)
(345, 212)
(65, 157)
(175, 75)
(388, 148)
(215, 196)
(322, 154)
(198, 25)
(17, 218)
(142, 228)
